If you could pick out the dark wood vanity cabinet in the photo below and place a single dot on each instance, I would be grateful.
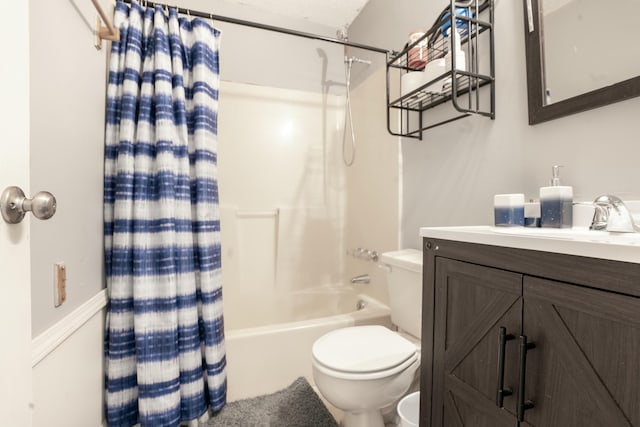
(561, 331)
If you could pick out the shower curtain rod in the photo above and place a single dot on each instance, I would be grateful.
(108, 32)
(266, 27)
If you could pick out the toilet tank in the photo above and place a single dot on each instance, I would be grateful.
(404, 282)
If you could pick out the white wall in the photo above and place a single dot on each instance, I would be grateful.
(67, 144)
(67, 109)
(288, 161)
(450, 177)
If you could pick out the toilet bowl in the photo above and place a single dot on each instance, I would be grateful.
(365, 369)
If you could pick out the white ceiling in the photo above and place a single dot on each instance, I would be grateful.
(336, 14)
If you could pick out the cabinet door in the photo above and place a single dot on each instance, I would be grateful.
(472, 303)
(585, 367)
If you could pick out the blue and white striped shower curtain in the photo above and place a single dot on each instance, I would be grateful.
(164, 341)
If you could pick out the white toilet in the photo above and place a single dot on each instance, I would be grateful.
(363, 369)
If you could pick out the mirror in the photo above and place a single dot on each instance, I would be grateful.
(581, 54)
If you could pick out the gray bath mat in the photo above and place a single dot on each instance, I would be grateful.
(295, 406)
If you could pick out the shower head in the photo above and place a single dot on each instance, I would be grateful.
(342, 35)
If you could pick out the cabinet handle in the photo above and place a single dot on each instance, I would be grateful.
(502, 392)
(522, 404)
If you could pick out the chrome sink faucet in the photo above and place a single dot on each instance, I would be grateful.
(613, 215)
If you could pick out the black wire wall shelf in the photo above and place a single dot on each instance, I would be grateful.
(468, 87)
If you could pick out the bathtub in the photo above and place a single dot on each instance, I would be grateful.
(268, 348)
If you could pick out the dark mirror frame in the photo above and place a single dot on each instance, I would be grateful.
(538, 112)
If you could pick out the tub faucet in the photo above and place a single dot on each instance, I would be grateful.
(363, 278)
(613, 215)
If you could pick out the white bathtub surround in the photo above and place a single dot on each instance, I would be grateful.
(281, 193)
(267, 309)
(264, 359)
(290, 161)
(373, 184)
(250, 245)
(310, 247)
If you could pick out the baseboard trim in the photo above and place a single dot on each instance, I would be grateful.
(49, 340)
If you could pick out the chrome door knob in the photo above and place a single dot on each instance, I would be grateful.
(14, 205)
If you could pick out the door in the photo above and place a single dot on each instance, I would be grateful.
(472, 303)
(15, 312)
(585, 367)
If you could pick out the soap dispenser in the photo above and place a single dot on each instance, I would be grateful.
(556, 203)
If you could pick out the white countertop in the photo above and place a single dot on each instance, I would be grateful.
(576, 241)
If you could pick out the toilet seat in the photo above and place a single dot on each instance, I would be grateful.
(363, 352)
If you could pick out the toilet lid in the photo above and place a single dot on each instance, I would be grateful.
(362, 349)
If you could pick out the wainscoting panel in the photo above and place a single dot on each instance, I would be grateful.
(68, 371)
